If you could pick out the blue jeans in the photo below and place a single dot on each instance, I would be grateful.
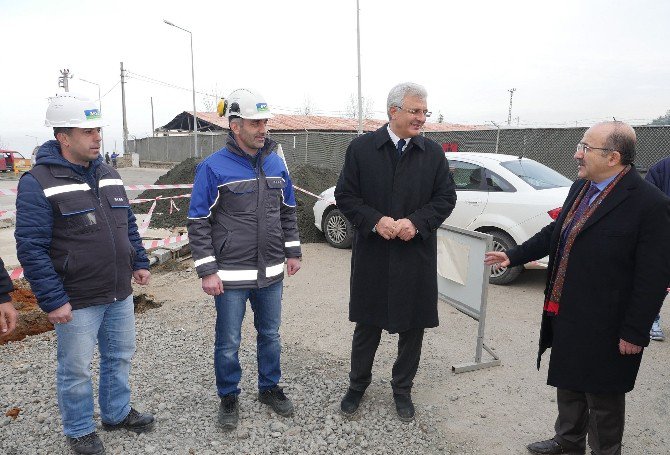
(230, 308)
(112, 326)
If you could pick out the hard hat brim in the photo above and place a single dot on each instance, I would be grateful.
(259, 116)
(98, 123)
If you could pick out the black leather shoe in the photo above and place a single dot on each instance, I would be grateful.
(229, 412)
(550, 447)
(276, 399)
(350, 402)
(89, 444)
(134, 421)
(404, 407)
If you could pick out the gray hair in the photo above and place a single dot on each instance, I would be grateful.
(402, 90)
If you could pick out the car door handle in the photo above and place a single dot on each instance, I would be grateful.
(473, 202)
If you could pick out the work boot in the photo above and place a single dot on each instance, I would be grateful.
(350, 402)
(89, 444)
(229, 411)
(276, 399)
(134, 421)
(550, 447)
(404, 407)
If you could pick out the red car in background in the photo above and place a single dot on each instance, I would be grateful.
(7, 160)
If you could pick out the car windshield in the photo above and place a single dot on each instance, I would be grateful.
(535, 174)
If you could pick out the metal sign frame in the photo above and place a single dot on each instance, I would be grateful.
(467, 310)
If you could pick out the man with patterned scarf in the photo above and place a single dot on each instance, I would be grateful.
(608, 271)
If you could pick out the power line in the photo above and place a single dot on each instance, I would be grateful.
(141, 77)
(113, 87)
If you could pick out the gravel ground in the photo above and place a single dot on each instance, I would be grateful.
(173, 377)
(493, 411)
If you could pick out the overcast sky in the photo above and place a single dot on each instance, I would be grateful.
(571, 62)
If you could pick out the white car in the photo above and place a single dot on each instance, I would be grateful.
(507, 196)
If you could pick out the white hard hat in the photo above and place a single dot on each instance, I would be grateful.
(70, 110)
(246, 104)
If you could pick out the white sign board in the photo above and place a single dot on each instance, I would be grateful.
(462, 281)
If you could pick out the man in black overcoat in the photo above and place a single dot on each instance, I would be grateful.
(608, 271)
(396, 190)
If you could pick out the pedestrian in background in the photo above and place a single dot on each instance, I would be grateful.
(608, 272)
(659, 176)
(115, 156)
(8, 314)
(396, 190)
(78, 243)
(242, 226)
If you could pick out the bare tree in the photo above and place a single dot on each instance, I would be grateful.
(351, 110)
(307, 106)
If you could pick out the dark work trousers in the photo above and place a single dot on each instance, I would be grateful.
(602, 416)
(363, 348)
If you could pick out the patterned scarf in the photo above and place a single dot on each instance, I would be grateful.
(552, 302)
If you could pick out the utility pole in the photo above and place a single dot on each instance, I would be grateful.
(153, 130)
(63, 79)
(497, 134)
(358, 47)
(123, 110)
(509, 115)
(517, 121)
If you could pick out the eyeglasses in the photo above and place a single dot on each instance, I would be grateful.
(583, 148)
(416, 112)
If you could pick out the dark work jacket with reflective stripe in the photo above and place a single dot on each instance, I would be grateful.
(89, 243)
(242, 218)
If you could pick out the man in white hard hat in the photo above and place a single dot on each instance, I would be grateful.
(242, 227)
(78, 243)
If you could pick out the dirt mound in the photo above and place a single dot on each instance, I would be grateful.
(183, 172)
(32, 320)
(311, 178)
(144, 302)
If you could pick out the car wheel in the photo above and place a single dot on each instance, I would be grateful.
(338, 229)
(503, 275)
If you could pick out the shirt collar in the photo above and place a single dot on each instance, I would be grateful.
(601, 185)
(395, 138)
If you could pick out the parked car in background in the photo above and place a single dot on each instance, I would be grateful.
(508, 197)
(6, 161)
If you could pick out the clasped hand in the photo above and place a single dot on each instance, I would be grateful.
(389, 228)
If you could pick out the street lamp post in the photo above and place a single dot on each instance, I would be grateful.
(195, 114)
(102, 132)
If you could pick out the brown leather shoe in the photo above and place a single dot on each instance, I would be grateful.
(550, 447)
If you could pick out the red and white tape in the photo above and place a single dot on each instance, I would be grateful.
(307, 192)
(145, 224)
(7, 214)
(149, 244)
(158, 187)
(140, 201)
(13, 191)
(15, 274)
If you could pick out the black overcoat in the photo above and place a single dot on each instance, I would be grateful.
(615, 284)
(393, 282)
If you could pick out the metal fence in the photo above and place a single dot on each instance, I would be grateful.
(553, 147)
